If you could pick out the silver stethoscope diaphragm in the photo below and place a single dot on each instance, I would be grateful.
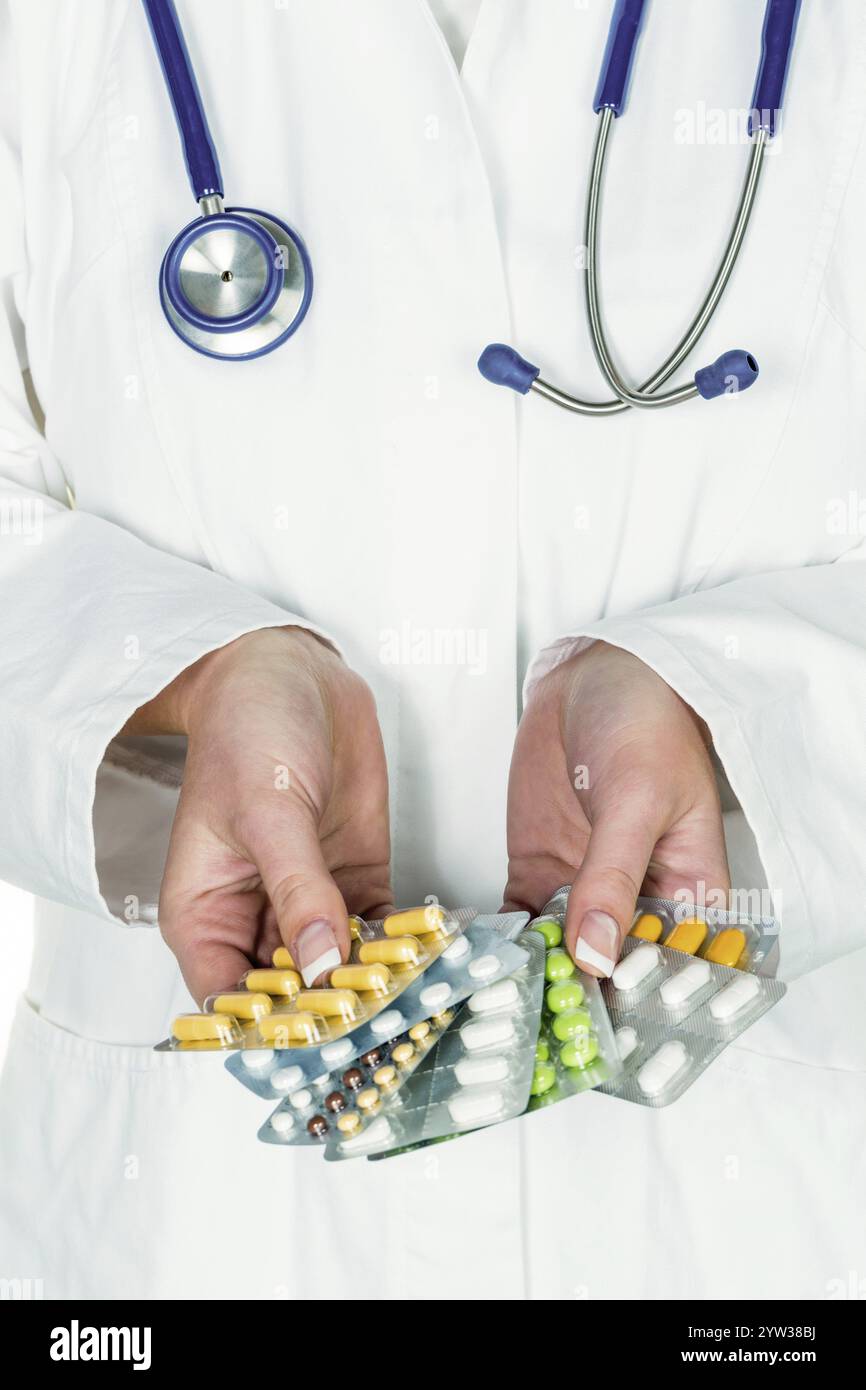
(236, 282)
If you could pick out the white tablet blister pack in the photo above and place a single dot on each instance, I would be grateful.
(484, 951)
(341, 1102)
(480, 1074)
(673, 1014)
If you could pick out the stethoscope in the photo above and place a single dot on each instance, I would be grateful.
(236, 283)
(733, 371)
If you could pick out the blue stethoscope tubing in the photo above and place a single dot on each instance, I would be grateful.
(735, 370)
(234, 283)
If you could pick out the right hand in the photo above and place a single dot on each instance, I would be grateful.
(282, 822)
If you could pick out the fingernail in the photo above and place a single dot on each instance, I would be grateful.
(316, 950)
(597, 942)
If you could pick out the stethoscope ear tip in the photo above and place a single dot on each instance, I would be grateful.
(734, 371)
(503, 366)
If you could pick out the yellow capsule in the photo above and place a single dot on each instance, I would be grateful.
(284, 983)
(219, 1029)
(385, 1078)
(376, 979)
(356, 927)
(282, 959)
(648, 927)
(727, 947)
(415, 921)
(330, 1003)
(240, 1005)
(403, 1053)
(687, 936)
(368, 1100)
(348, 1123)
(399, 950)
(284, 1029)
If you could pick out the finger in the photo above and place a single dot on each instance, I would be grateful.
(309, 907)
(603, 895)
(208, 934)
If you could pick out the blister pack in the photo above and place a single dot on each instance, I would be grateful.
(722, 937)
(479, 1075)
(343, 1101)
(576, 1050)
(483, 952)
(673, 1015)
(270, 1007)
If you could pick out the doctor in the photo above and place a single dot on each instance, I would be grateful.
(295, 587)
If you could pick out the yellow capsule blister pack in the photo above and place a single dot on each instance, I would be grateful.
(270, 1008)
(721, 937)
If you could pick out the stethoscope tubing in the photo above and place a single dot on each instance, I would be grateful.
(627, 397)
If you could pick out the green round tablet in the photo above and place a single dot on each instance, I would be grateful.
(579, 1051)
(542, 1051)
(558, 966)
(572, 1024)
(543, 1078)
(550, 929)
(568, 994)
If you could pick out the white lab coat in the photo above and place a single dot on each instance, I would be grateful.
(364, 479)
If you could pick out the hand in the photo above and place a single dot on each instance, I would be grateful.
(283, 815)
(611, 787)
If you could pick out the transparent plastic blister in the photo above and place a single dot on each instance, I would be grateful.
(270, 1007)
(484, 951)
(723, 937)
(673, 1014)
(479, 1074)
(575, 1050)
(343, 1101)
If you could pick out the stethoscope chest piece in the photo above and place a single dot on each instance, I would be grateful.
(236, 284)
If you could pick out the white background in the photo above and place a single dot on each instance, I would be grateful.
(16, 939)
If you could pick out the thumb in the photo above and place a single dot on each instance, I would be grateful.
(309, 907)
(604, 893)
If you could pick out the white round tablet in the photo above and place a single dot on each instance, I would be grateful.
(388, 1024)
(287, 1079)
(457, 950)
(301, 1099)
(282, 1121)
(257, 1058)
(332, 1054)
(435, 996)
(484, 967)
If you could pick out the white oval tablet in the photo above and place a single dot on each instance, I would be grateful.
(503, 995)
(287, 1079)
(434, 996)
(665, 1065)
(379, 1132)
(635, 967)
(626, 1042)
(679, 988)
(257, 1058)
(479, 1071)
(487, 1032)
(334, 1053)
(282, 1122)
(388, 1024)
(734, 997)
(484, 967)
(301, 1099)
(457, 950)
(320, 1082)
(475, 1106)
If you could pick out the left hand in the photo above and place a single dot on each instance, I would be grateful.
(612, 788)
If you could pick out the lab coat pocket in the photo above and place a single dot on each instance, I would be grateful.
(133, 1174)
